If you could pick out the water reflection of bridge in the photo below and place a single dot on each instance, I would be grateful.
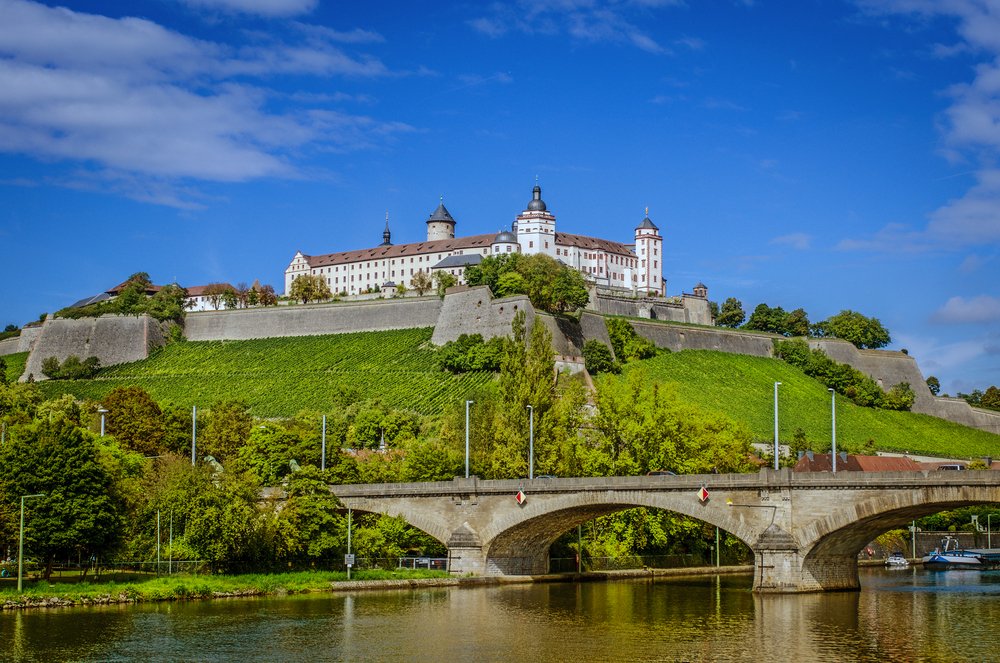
(805, 528)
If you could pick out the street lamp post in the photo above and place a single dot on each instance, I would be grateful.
(103, 412)
(349, 505)
(322, 453)
(531, 445)
(989, 541)
(20, 542)
(776, 385)
(194, 428)
(467, 404)
(833, 418)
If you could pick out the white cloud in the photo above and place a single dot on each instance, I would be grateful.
(958, 310)
(971, 126)
(586, 20)
(355, 36)
(258, 7)
(145, 106)
(795, 240)
(972, 263)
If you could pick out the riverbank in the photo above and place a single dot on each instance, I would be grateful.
(200, 588)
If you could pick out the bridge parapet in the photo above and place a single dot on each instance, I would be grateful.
(804, 528)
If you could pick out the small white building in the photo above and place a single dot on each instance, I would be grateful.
(627, 267)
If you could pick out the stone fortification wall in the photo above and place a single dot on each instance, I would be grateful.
(887, 367)
(114, 339)
(678, 337)
(473, 310)
(891, 368)
(8, 346)
(339, 318)
(690, 310)
(29, 333)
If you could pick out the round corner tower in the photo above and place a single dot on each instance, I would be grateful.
(441, 225)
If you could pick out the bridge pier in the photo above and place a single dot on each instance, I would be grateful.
(782, 567)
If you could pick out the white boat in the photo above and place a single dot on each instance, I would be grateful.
(948, 556)
(897, 560)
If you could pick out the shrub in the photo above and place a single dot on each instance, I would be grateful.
(598, 358)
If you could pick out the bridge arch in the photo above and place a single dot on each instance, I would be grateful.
(530, 531)
(412, 518)
(847, 530)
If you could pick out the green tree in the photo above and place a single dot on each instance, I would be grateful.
(229, 425)
(934, 385)
(990, 398)
(862, 331)
(767, 319)
(732, 314)
(310, 287)
(78, 510)
(598, 358)
(10, 328)
(797, 323)
(641, 425)
(229, 298)
(131, 300)
(252, 297)
(135, 419)
(421, 282)
(309, 521)
(442, 281)
(431, 461)
(168, 303)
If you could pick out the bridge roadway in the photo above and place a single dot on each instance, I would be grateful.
(805, 529)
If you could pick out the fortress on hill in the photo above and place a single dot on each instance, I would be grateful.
(626, 280)
(612, 266)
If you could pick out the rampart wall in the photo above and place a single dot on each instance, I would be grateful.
(114, 339)
(473, 310)
(29, 333)
(679, 337)
(8, 346)
(117, 339)
(690, 310)
(337, 318)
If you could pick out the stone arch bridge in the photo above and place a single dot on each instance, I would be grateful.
(805, 528)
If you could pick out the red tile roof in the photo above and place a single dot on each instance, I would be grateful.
(823, 463)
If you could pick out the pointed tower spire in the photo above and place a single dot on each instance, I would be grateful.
(386, 235)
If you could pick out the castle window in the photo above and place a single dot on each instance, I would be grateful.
(546, 245)
(654, 252)
(411, 271)
(420, 259)
(557, 252)
(643, 264)
(654, 279)
(508, 248)
(394, 272)
(531, 245)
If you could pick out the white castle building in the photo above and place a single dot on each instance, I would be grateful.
(628, 267)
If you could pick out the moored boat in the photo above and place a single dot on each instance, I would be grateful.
(897, 560)
(948, 556)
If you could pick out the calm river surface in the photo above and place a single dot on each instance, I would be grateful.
(900, 615)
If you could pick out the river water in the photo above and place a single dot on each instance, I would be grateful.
(899, 615)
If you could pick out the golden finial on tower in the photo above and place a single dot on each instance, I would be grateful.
(647, 210)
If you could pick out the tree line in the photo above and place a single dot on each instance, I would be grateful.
(102, 494)
(851, 326)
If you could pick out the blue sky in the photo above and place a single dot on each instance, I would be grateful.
(824, 155)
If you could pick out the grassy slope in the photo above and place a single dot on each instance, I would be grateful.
(15, 364)
(280, 376)
(743, 388)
